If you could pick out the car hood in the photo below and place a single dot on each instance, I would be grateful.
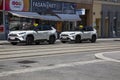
(17, 32)
(70, 32)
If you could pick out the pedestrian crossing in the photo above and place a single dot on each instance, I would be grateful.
(10, 51)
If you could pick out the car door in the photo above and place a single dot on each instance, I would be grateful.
(89, 30)
(40, 32)
(46, 31)
(85, 33)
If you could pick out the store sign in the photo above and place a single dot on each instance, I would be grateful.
(17, 5)
(54, 6)
(41, 5)
(69, 8)
(1, 4)
(80, 11)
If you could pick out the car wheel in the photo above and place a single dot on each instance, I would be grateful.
(93, 40)
(63, 41)
(37, 42)
(51, 40)
(29, 40)
(14, 43)
(77, 39)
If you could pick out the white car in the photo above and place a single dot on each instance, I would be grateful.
(29, 36)
(87, 33)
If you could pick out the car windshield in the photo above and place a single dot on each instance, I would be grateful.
(86, 28)
(30, 27)
(21, 27)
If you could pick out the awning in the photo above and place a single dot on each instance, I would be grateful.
(35, 15)
(69, 17)
(58, 17)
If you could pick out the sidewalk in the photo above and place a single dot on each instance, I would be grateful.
(2, 42)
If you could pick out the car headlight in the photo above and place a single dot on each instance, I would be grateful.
(72, 33)
(23, 33)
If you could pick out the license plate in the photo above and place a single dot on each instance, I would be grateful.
(12, 38)
(64, 37)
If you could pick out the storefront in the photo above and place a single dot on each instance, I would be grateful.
(106, 18)
(1, 21)
(62, 15)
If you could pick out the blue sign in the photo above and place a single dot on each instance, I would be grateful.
(80, 11)
(53, 6)
(41, 6)
(69, 8)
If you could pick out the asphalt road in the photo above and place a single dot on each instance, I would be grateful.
(68, 61)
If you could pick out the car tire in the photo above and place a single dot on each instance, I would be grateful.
(93, 40)
(29, 40)
(78, 39)
(51, 40)
(63, 41)
(14, 43)
(37, 42)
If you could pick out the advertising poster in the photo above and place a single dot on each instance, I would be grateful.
(1, 4)
(17, 5)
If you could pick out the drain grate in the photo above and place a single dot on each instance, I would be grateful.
(26, 62)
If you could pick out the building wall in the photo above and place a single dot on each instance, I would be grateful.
(88, 15)
(86, 4)
(97, 7)
(106, 13)
(112, 13)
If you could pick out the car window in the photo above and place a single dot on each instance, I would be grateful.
(38, 28)
(88, 28)
(84, 29)
(46, 27)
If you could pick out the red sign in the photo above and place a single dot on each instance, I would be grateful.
(17, 5)
(1, 4)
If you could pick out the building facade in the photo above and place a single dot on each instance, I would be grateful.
(63, 14)
(88, 6)
(106, 18)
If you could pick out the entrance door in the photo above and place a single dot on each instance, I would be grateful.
(106, 27)
(98, 24)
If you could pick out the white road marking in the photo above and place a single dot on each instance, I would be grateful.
(101, 56)
(21, 54)
(47, 67)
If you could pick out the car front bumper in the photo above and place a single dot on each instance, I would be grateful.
(16, 39)
(67, 38)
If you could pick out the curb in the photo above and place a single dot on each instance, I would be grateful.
(4, 42)
(101, 56)
(112, 39)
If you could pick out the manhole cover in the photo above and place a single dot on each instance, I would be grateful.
(26, 66)
(50, 64)
(26, 62)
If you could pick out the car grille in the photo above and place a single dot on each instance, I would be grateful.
(13, 35)
(64, 35)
